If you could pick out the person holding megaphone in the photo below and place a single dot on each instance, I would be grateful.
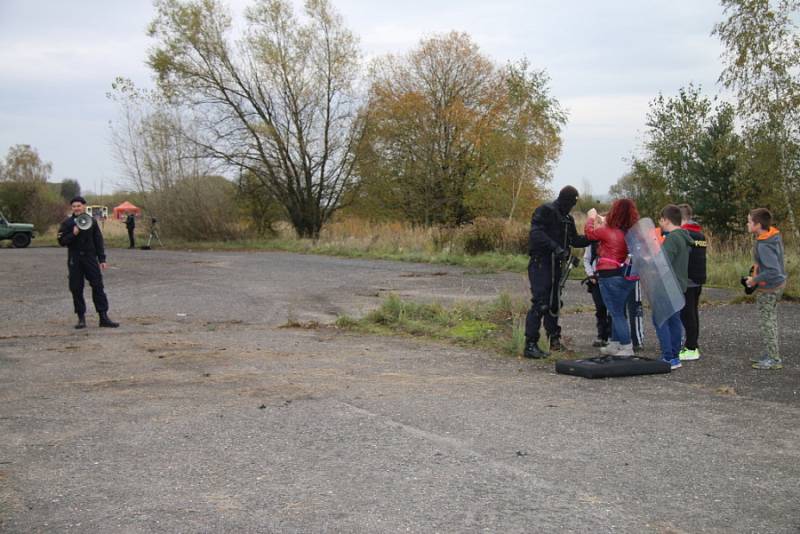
(86, 259)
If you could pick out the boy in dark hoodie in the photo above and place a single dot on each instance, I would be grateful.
(690, 315)
(769, 279)
(676, 247)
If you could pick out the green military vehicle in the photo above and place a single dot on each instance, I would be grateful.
(20, 234)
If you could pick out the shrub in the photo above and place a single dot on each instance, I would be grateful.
(483, 235)
(197, 209)
(494, 235)
(32, 202)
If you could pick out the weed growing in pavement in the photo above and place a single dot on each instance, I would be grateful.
(516, 342)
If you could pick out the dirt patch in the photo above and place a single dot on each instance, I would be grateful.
(171, 346)
(423, 275)
(145, 321)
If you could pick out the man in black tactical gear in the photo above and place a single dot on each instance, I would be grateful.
(130, 224)
(86, 258)
(551, 237)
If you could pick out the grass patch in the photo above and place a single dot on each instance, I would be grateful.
(471, 331)
(498, 326)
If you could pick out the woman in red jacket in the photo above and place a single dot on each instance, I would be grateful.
(613, 253)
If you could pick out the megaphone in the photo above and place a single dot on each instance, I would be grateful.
(84, 221)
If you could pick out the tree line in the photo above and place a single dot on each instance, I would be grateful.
(439, 135)
(725, 158)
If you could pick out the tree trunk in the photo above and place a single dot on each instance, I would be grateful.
(787, 192)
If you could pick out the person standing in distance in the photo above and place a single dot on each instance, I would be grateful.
(130, 224)
(552, 235)
(86, 258)
(690, 315)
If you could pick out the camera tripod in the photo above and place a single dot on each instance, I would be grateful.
(153, 234)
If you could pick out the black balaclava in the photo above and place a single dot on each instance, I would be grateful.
(567, 198)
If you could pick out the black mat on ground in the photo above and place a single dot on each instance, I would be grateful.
(612, 366)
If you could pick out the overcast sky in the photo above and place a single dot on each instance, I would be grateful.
(606, 60)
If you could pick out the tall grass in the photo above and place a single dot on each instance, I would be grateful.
(728, 262)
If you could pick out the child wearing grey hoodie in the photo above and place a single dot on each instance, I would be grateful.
(769, 278)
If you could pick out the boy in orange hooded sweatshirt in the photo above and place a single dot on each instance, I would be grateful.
(769, 278)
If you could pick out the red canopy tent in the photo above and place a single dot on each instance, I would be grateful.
(121, 211)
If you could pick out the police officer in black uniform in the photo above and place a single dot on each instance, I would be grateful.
(552, 234)
(130, 224)
(86, 259)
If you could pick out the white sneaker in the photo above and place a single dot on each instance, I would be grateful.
(624, 350)
(610, 349)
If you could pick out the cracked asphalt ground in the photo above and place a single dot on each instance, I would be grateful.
(202, 414)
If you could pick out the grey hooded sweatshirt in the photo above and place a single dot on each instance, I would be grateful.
(768, 258)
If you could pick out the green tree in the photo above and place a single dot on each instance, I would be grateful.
(713, 175)
(281, 105)
(675, 128)
(24, 165)
(694, 150)
(646, 185)
(31, 202)
(258, 204)
(762, 66)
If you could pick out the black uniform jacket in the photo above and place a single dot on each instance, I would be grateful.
(87, 243)
(553, 232)
(697, 254)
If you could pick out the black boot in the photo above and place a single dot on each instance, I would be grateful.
(556, 345)
(532, 350)
(81, 322)
(105, 322)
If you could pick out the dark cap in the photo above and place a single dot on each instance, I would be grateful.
(78, 199)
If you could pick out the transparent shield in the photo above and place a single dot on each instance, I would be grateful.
(659, 285)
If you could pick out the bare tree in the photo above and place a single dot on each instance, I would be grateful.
(280, 105)
(150, 139)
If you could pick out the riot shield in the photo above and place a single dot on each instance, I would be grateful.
(659, 285)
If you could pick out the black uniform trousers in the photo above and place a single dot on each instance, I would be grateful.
(541, 276)
(80, 267)
(130, 237)
(602, 318)
(690, 316)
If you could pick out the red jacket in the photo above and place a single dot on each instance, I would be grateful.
(613, 251)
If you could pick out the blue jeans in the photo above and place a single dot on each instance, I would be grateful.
(615, 291)
(670, 335)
